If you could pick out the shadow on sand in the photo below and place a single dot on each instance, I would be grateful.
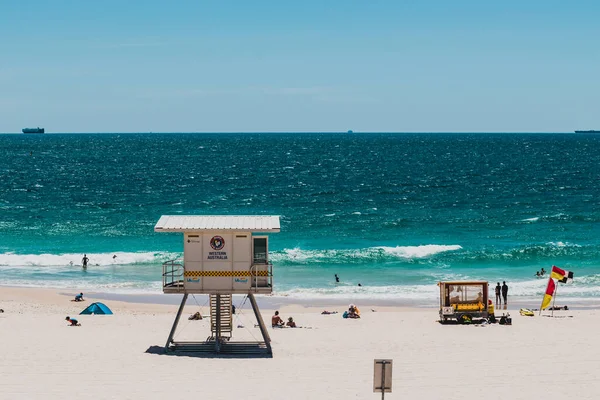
(473, 322)
(160, 350)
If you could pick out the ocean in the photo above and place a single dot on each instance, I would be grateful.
(394, 212)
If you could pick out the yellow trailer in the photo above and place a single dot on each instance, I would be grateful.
(464, 300)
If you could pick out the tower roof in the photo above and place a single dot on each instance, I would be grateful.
(196, 223)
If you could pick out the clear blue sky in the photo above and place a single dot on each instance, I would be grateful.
(122, 66)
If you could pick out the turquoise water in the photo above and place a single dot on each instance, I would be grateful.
(395, 212)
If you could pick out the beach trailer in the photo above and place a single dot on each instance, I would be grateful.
(222, 255)
(463, 300)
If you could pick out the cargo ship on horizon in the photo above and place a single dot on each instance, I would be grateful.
(33, 130)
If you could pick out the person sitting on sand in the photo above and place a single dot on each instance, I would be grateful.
(72, 321)
(195, 317)
(291, 323)
(79, 297)
(352, 312)
(276, 320)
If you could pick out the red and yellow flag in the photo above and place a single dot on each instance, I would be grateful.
(561, 275)
(549, 293)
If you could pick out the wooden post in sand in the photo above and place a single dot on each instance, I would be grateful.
(382, 380)
(382, 377)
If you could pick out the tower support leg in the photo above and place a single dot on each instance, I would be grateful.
(176, 322)
(261, 323)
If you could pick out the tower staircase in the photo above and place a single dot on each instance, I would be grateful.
(221, 317)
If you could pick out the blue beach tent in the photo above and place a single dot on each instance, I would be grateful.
(96, 308)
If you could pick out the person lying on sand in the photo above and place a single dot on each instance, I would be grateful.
(276, 320)
(556, 308)
(78, 297)
(196, 316)
(72, 321)
(291, 323)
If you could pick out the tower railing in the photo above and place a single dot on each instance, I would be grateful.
(262, 276)
(173, 274)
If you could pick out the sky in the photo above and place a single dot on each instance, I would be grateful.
(300, 66)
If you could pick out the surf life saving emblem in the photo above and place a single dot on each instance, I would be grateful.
(217, 242)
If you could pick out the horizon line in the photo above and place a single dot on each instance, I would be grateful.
(259, 132)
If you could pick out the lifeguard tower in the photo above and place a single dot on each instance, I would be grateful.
(222, 256)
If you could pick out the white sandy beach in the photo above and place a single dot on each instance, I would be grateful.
(107, 358)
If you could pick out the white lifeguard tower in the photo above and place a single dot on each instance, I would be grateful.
(222, 255)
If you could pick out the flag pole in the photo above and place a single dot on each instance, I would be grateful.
(544, 298)
(554, 298)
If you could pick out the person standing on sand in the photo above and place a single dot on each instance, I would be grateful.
(84, 261)
(504, 291)
(498, 298)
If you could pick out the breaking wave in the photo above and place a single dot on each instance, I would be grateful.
(100, 259)
(533, 252)
(373, 254)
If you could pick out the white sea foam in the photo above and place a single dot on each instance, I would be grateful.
(418, 251)
(583, 288)
(297, 255)
(121, 287)
(421, 293)
(563, 244)
(123, 258)
(534, 219)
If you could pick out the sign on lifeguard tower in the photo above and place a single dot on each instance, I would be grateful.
(222, 255)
